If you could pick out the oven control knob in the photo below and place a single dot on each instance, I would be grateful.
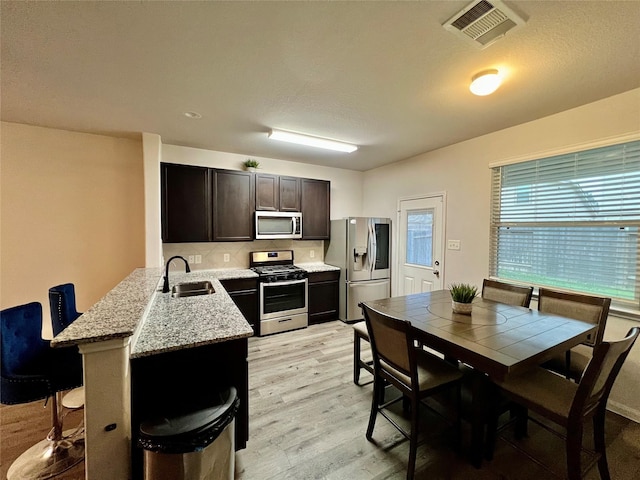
(271, 278)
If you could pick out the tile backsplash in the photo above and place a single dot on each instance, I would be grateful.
(213, 253)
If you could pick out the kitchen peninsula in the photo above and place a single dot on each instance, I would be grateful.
(144, 350)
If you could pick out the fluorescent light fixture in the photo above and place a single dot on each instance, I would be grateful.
(311, 141)
(485, 82)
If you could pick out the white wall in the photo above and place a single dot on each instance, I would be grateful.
(462, 171)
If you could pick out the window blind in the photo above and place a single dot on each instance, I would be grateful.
(570, 221)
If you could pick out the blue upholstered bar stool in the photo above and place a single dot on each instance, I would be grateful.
(62, 303)
(31, 370)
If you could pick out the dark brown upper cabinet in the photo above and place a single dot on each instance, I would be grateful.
(277, 193)
(202, 204)
(267, 192)
(233, 205)
(289, 194)
(315, 202)
(186, 203)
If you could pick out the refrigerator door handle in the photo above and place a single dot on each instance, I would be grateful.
(373, 246)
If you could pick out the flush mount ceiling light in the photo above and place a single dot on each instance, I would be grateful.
(485, 82)
(194, 115)
(311, 141)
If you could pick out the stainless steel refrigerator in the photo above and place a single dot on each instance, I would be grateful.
(361, 247)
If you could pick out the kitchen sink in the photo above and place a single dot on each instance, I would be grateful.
(192, 289)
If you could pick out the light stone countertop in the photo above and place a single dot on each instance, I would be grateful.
(167, 323)
(224, 273)
(318, 267)
(117, 314)
(139, 298)
(187, 322)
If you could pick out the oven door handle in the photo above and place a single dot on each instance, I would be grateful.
(279, 283)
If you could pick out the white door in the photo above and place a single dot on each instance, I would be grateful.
(420, 245)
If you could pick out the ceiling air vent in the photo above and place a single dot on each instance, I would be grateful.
(483, 22)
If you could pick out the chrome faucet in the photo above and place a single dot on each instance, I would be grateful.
(165, 287)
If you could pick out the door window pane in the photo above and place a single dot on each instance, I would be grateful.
(382, 246)
(419, 236)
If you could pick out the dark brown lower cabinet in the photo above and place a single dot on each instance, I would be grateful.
(323, 296)
(181, 381)
(244, 293)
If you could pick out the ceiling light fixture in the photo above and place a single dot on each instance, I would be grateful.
(194, 115)
(485, 82)
(311, 141)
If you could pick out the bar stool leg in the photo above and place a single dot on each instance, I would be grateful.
(51, 456)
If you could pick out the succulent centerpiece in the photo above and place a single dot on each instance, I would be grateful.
(462, 294)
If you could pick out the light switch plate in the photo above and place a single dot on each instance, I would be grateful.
(453, 244)
(312, 253)
(198, 258)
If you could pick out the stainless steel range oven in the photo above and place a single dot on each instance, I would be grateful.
(283, 292)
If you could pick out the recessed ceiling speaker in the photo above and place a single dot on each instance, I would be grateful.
(483, 22)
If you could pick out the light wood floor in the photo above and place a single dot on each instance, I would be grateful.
(308, 419)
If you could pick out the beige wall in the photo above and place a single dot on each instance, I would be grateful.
(72, 210)
(462, 172)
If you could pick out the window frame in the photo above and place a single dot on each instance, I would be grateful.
(630, 306)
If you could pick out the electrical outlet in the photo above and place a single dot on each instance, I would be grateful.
(226, 257)
(453, 244)
(191, 259)
(198, 258)
(312, 253)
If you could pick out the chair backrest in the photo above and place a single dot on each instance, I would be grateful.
(597, 380)
(23, 354)
(62, 302)
(391, 344)
(581, 307)
(506, 293)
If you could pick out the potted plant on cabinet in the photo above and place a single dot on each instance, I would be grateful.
(250, 165)
(462, 294)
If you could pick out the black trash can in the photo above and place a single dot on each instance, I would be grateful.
(194, 445)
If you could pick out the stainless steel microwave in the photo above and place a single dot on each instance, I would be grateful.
(270, 225)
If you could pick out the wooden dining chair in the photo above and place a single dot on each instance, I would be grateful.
(414, 372)
(506, 293)
(569, 404)
(360, 334)
(587, 308)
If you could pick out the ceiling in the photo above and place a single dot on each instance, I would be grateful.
(383, 75)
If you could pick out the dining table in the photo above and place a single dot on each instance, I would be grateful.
(494, 341)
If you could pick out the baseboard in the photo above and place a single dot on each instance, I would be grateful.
(620, 409)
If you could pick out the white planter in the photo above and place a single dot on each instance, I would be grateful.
(251, 169)
(462, 308)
